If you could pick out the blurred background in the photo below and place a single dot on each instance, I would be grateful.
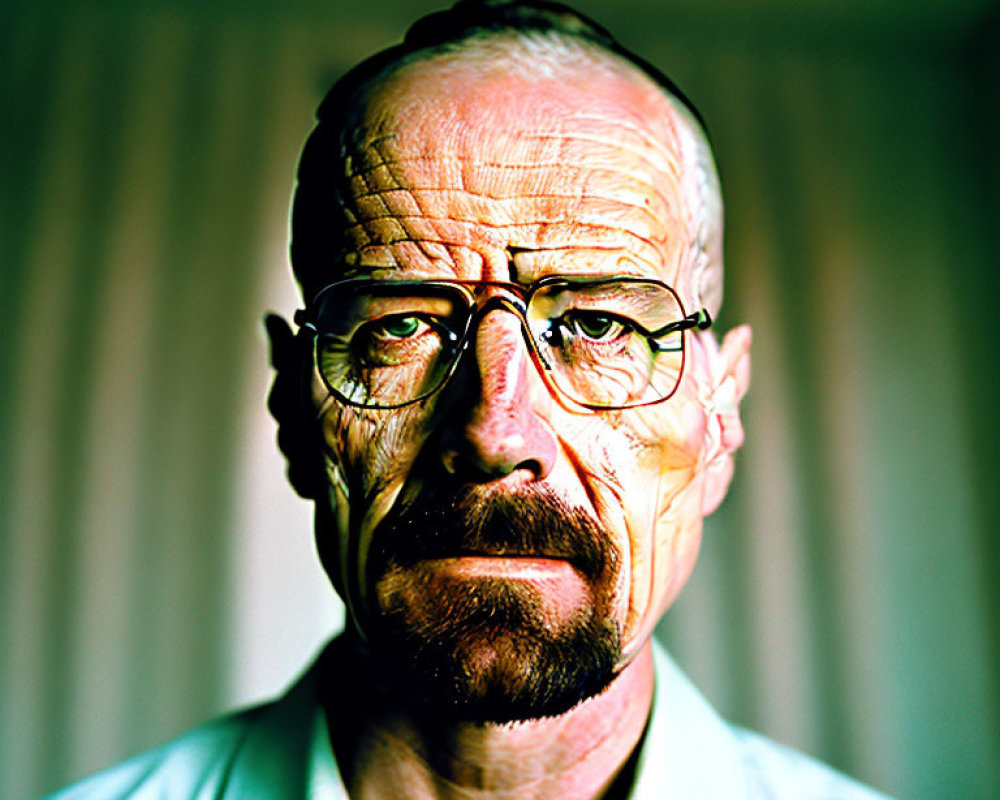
(156, 568)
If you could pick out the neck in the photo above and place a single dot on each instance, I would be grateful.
(384, 751)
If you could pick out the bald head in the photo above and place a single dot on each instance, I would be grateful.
(534, 137)
(529, 221)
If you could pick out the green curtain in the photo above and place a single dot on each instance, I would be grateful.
(156, 569)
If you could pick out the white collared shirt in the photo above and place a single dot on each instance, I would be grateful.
(282, 751)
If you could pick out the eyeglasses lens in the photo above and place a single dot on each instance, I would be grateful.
(602, 344)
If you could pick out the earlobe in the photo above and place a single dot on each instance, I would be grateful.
(730, 378)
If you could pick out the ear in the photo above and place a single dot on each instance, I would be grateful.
(290, 405)
(730, 378)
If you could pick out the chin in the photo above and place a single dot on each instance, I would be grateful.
(487, 651)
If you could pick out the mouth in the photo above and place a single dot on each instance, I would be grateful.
(500, 565)
(492, 546)
(559, 589)
(522, 536)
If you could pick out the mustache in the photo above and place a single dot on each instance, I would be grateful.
(474, 520)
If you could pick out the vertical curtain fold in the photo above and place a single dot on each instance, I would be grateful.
(845, 601)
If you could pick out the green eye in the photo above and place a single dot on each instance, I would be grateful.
(401, 327)
(600, 327)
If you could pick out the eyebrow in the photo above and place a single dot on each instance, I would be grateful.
(512, 251)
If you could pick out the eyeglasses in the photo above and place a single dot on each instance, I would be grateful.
(604, 343)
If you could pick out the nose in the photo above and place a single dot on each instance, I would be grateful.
(494, 428)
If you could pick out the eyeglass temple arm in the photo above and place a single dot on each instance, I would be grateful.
(701, 320)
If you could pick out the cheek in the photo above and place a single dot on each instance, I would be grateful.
(371, 450)
(665, 526)
(671, 436)
(368, 457)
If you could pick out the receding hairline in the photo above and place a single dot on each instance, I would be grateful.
(558, 51)
(531, 54)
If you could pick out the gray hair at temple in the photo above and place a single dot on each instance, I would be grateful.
(546, 36)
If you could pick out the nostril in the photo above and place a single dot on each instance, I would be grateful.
(534, 466)
(469, 468)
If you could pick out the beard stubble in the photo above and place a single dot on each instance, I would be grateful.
(490, 649)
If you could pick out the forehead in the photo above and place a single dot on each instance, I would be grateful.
(456, 161)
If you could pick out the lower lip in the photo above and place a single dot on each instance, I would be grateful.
(511, 567)
(561, 588)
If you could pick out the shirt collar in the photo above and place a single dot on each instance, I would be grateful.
(688, 750)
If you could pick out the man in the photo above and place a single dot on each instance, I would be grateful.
(505, 401)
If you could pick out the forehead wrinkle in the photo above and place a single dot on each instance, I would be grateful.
(641, 258)
(443, 130)
(432, 250)
(427, 123)
(536, 263)
(644, 156)
(423, 259)
(387, 186)
(418, 202)
(468, 233)
(643, 151)
(505, 210)
(500, 196)
(387, 214)
(364, 177)
(403, 252)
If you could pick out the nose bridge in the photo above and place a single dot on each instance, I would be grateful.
(501, 430)
(501, 353)
(500, 340)
(501, 297)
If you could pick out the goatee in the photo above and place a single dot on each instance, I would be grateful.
(482, 648)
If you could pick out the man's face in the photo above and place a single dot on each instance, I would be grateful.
(502, 542)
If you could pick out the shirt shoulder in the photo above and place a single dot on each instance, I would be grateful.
(690, 751)
(777, 772)
(194, 765)
(276, 751)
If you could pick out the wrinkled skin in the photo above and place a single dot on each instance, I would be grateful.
(495, 174)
